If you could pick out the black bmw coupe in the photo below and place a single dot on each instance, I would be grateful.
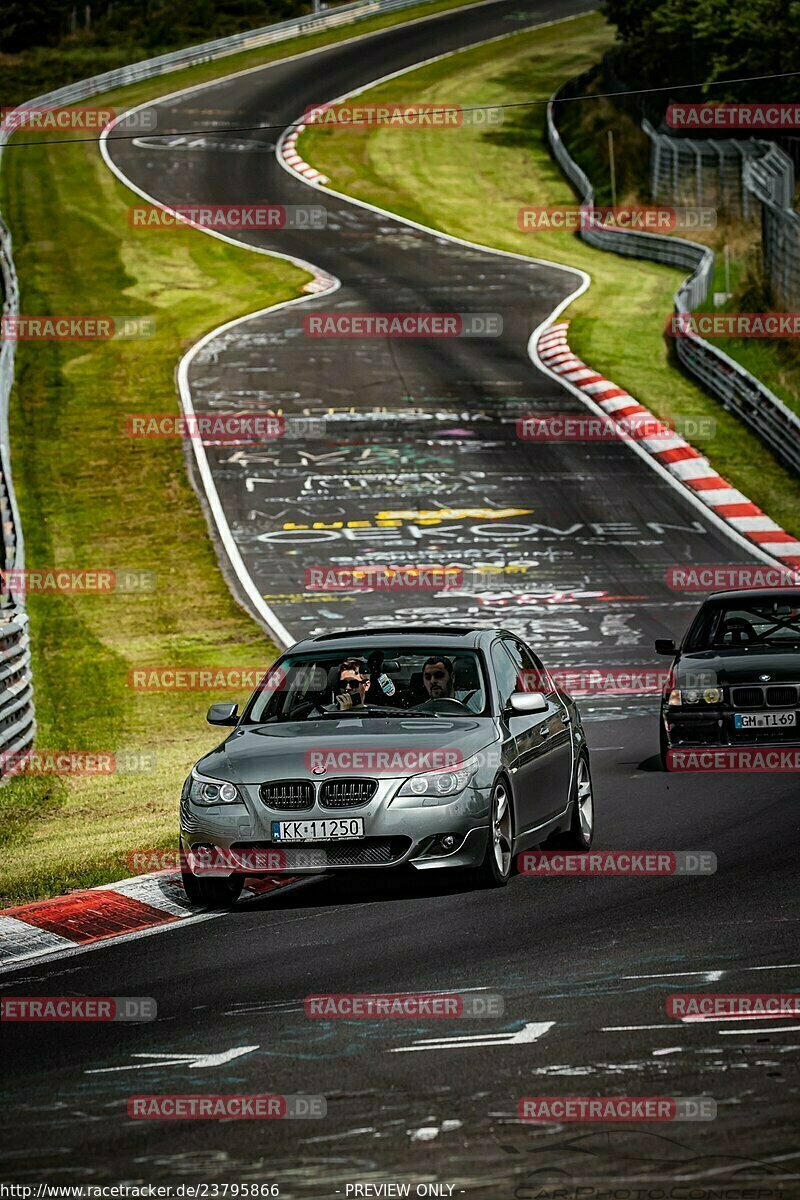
(735, 679)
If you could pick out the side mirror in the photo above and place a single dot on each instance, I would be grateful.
(223, 714)
(665, 646)
(528, 702)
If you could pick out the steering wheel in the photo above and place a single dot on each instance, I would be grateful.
(428, 705)
(302, 710)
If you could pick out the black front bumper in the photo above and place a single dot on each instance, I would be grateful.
(717, 729)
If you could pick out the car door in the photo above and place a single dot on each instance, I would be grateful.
(543, 741)
(522, 734)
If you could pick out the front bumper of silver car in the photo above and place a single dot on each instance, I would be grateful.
(397, 831)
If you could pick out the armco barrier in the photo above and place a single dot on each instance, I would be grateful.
(740, 392)
(17, 724)
(771, 180)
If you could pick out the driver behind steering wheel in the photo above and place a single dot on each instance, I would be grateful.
(439, 678)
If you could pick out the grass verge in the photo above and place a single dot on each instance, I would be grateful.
(472, 182)
(91, 497)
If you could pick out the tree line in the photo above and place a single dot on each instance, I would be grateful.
(150, 24)
(715, 42)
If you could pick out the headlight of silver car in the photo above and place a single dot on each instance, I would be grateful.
(442, 785)
(205, 790)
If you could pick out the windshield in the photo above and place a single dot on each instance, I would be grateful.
(773, 623)
(385, 682)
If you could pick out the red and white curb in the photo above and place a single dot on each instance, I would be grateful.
(144, 902)
(684, 463)
(288, 152)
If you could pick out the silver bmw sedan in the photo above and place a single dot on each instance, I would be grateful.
(426, 747)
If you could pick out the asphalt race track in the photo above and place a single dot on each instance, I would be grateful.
(420, 428)
(417, 427)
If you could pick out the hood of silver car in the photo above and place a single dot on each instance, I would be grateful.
(365, 746)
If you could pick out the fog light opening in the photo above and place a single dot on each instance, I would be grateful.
(443, 843)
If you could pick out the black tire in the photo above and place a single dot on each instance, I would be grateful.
(581, 832)
(496, 868)
(212, 892)
(663, 747)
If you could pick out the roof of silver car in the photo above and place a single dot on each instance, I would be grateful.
(440, 634)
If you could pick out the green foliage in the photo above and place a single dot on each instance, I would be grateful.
(708, 41)
(45, 44)
(151, 23)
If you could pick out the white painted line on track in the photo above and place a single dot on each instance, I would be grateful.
(531, 1032)
(630, 1028)
(742, 1032)
(709, 1019)
(194, 1062)
(709, 976)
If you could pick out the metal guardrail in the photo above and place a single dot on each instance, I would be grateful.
(17, 720)
(748, 178)
(770, 177)
(771, 180)
(740, 392)
(702, 171)
(193, 56)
